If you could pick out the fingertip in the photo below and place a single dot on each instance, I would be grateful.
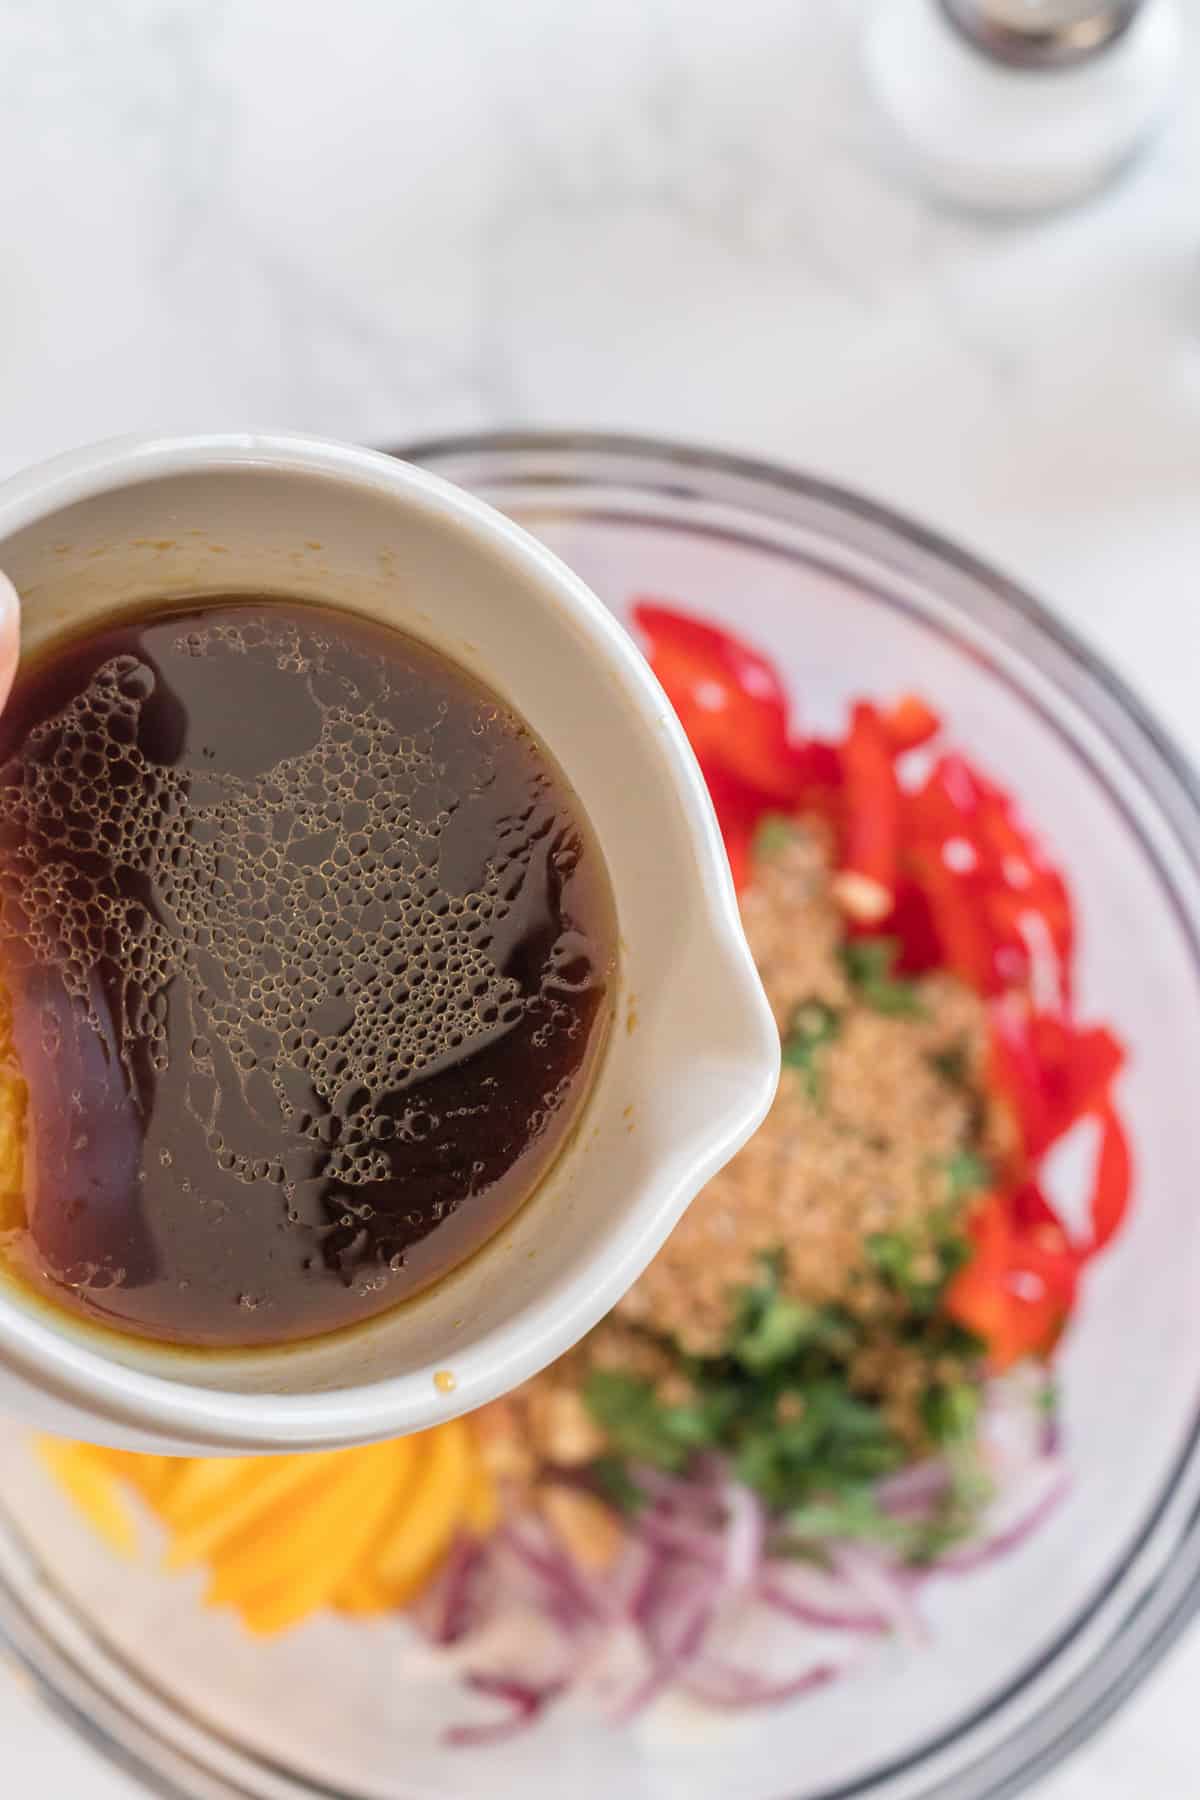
(10, 634)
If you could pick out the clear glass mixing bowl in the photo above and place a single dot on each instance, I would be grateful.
(1027, 1656)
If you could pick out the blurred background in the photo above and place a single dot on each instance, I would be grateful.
(391, 220)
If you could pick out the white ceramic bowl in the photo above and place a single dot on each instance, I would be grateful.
(692, 1060)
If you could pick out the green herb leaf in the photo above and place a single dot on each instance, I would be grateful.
(813, 1028)
(773, 833)
(868, 963)
(952, 1064)
(642, 1426)
(782, 1328)
(630, 1413)
(967, 1173)
(855, 1514)
(769, 1329)
(951, 1413)
(918, 1269)
(616, 1485)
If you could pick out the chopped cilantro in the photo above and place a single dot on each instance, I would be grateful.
(616, 1485)
(951, 1413)
(642, 1426)
(833, 1442)
(773, 833)
(966, 1173)
(869, 963)
(768, 1328)
(855, 1515)
(952, 1064)
(813, 1028)
(917, 1269)
(634, 1418)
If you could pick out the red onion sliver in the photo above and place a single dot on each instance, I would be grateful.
(882, 1584)
(822, 1618)
(524, 1701)
(745, 1535)
(723, 1685)
(915, 1490)
(977, 1556)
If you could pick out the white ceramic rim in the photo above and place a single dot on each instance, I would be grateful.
(66, 1369)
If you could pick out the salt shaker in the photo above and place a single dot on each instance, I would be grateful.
(1022, 105)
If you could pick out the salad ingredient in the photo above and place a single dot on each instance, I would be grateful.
(730, 699)
(865, 885)
(282, 1537)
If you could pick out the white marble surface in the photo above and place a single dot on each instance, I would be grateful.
(389, 218)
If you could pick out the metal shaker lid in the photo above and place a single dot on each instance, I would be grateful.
(1041, 34)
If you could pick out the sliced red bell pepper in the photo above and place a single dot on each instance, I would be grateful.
(730, 700)
(1018, 1290)
(966, 946)
(870, 860)
(910, 723)
(739, 810)
(1053, 1072)
(914, 928)
(819, 764)
(1019, 904)
(947, 803)
(1113, 1181)
(975, 1297)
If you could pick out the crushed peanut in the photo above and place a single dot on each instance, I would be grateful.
(861, 1149)
(858, 1143)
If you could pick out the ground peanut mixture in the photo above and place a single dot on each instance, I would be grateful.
(867, 1163)
(860, 1142)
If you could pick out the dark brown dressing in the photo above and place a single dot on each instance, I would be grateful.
(310, 954)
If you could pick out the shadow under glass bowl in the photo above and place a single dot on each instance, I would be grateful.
(1027, 1656)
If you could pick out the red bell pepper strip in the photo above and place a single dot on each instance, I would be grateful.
(1019, 902)
(1053, 1073)
(975, 1297)
(914, 928)
(1113, 1180)
(966, 947)
(910, 723)
(1017, 1291)
(870, 860)
(739, 809)
(730, 700)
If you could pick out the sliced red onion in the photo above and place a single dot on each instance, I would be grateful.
(656, 1485)
(729, 1687)
(674, 1635)
(977, 1556)
(914, 1491)
(667, 1532)
(454, 1610)
(524, 1701)
(1050, 1436)
(882, 1583)
(572, 1601)
(776, 1590)
(644, 1600)
(745, 1535)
